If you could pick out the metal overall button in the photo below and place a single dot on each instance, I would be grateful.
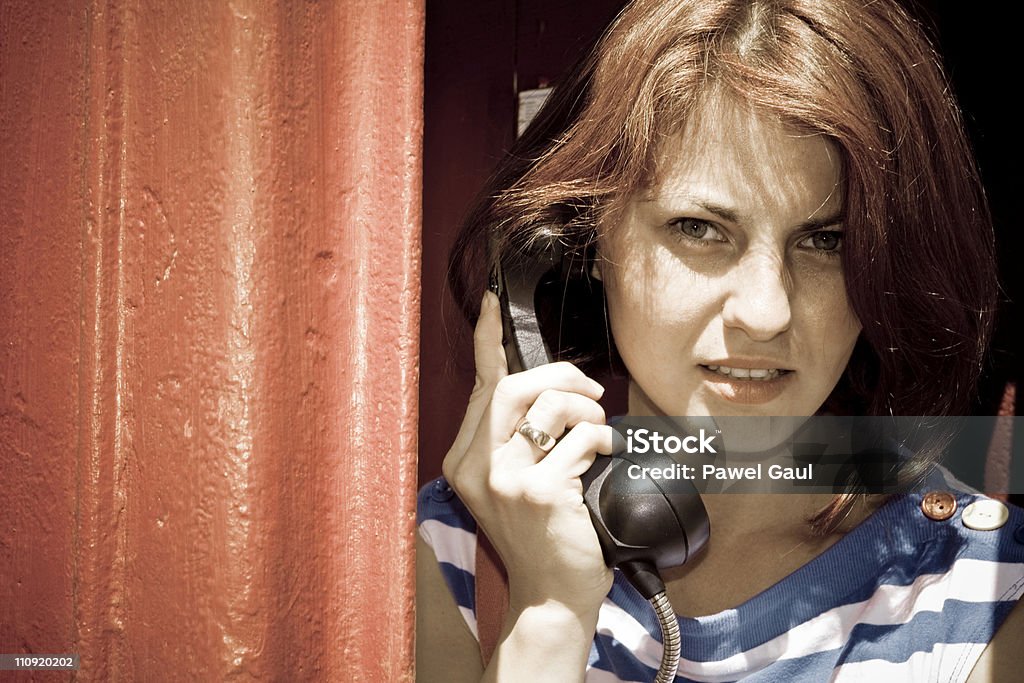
(938, 505)
(442, 492)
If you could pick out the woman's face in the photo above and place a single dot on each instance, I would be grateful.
(724, 284)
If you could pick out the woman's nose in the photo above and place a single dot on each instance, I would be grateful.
(758, 297)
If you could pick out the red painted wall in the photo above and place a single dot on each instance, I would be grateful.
(209, 266)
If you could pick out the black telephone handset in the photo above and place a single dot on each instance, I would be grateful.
(642, 525)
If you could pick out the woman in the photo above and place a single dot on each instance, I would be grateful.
(781, 209)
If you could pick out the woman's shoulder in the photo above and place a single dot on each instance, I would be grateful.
(438, 505)
(953, 572)
(446, 525)
(955, 556)
(975, 527)
(956, 576)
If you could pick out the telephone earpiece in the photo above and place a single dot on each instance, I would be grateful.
(643, 526)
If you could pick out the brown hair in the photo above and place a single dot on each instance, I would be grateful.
(918, 243)
(918, 252)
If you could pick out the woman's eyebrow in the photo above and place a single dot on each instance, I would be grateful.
(732, 215)
(819, 223)
(675, 200)
(724, 212)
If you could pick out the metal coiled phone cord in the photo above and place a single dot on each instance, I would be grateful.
(669, 636)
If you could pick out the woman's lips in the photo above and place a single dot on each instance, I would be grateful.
(748, 386)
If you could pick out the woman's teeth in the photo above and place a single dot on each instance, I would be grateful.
(757, 374)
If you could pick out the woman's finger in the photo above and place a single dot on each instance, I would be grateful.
(515, 394)
(488, 352)
(574, 454)
(551, 415)
(490, 368)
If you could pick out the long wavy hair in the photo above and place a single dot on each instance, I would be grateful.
(918, 250)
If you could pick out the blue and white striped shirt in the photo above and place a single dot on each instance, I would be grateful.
(901, 597)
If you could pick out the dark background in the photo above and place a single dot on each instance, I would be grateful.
(479, 53)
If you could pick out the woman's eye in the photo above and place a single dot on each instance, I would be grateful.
(697, 229)
(824, 240)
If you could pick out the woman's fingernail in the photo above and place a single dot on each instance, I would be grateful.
(489, 301)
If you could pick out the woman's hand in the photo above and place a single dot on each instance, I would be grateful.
(530, 503)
